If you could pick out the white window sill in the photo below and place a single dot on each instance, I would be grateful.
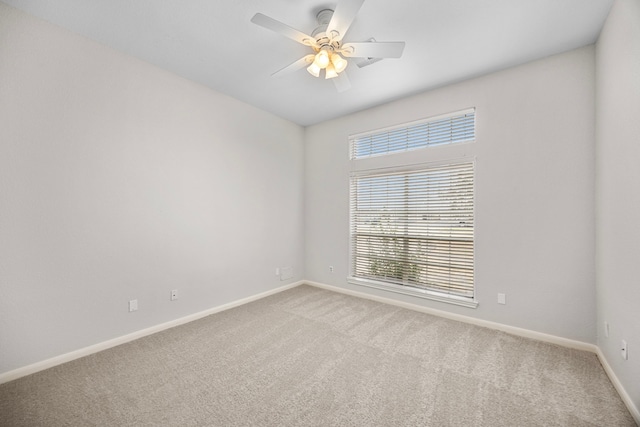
(415, 292)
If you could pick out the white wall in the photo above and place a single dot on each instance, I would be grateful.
(534, 192)
(120, 181)
(618, 191)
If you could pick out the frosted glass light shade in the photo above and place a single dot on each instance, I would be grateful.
(330, 72)
(314, 70)
(322, 59)
(338, 62)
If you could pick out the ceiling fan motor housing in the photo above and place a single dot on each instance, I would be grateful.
(324, 40)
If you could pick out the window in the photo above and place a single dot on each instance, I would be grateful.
(448, 129)
(412, 227)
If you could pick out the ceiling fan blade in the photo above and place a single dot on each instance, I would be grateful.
(373, 49)
(342, 82)
(300, 63)
(343, 16)
(280, 28)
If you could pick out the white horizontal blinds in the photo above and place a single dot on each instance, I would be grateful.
(415, 228)
(459, 127)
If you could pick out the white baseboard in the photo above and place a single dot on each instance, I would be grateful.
(635, 413)
(577, 345)
(526, 333)
(67, 357)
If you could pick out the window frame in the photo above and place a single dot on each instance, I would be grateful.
(407, 127)
(408, 161)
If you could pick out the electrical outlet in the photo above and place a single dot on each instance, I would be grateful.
(624, 350)
(331, 268)
(502, 299)
(606, 329)
(133, 305)
(277, 271)
(174, 295)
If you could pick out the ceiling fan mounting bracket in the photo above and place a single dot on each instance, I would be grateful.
(324, 16)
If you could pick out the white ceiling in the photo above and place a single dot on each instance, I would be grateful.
(214, 43)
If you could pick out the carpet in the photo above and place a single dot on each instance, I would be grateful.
(312, 357)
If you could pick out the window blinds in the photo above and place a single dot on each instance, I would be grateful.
(415, 228)
(458, 127)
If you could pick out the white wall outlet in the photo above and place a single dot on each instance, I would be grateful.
(133, 305)
(174, 295)
(623, 350)
(606, 329)
(502, 299)
(331, 268)
(277, 271)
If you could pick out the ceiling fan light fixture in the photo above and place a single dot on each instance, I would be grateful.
(314, 70)
(322, 59)
(327, 49)
(330, 72)
(339, 62)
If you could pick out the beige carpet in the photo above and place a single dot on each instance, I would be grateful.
(310, 357)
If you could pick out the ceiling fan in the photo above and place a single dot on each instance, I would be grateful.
(326, 41)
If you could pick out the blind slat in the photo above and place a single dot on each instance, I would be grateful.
(415, 228)
(454, 129)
